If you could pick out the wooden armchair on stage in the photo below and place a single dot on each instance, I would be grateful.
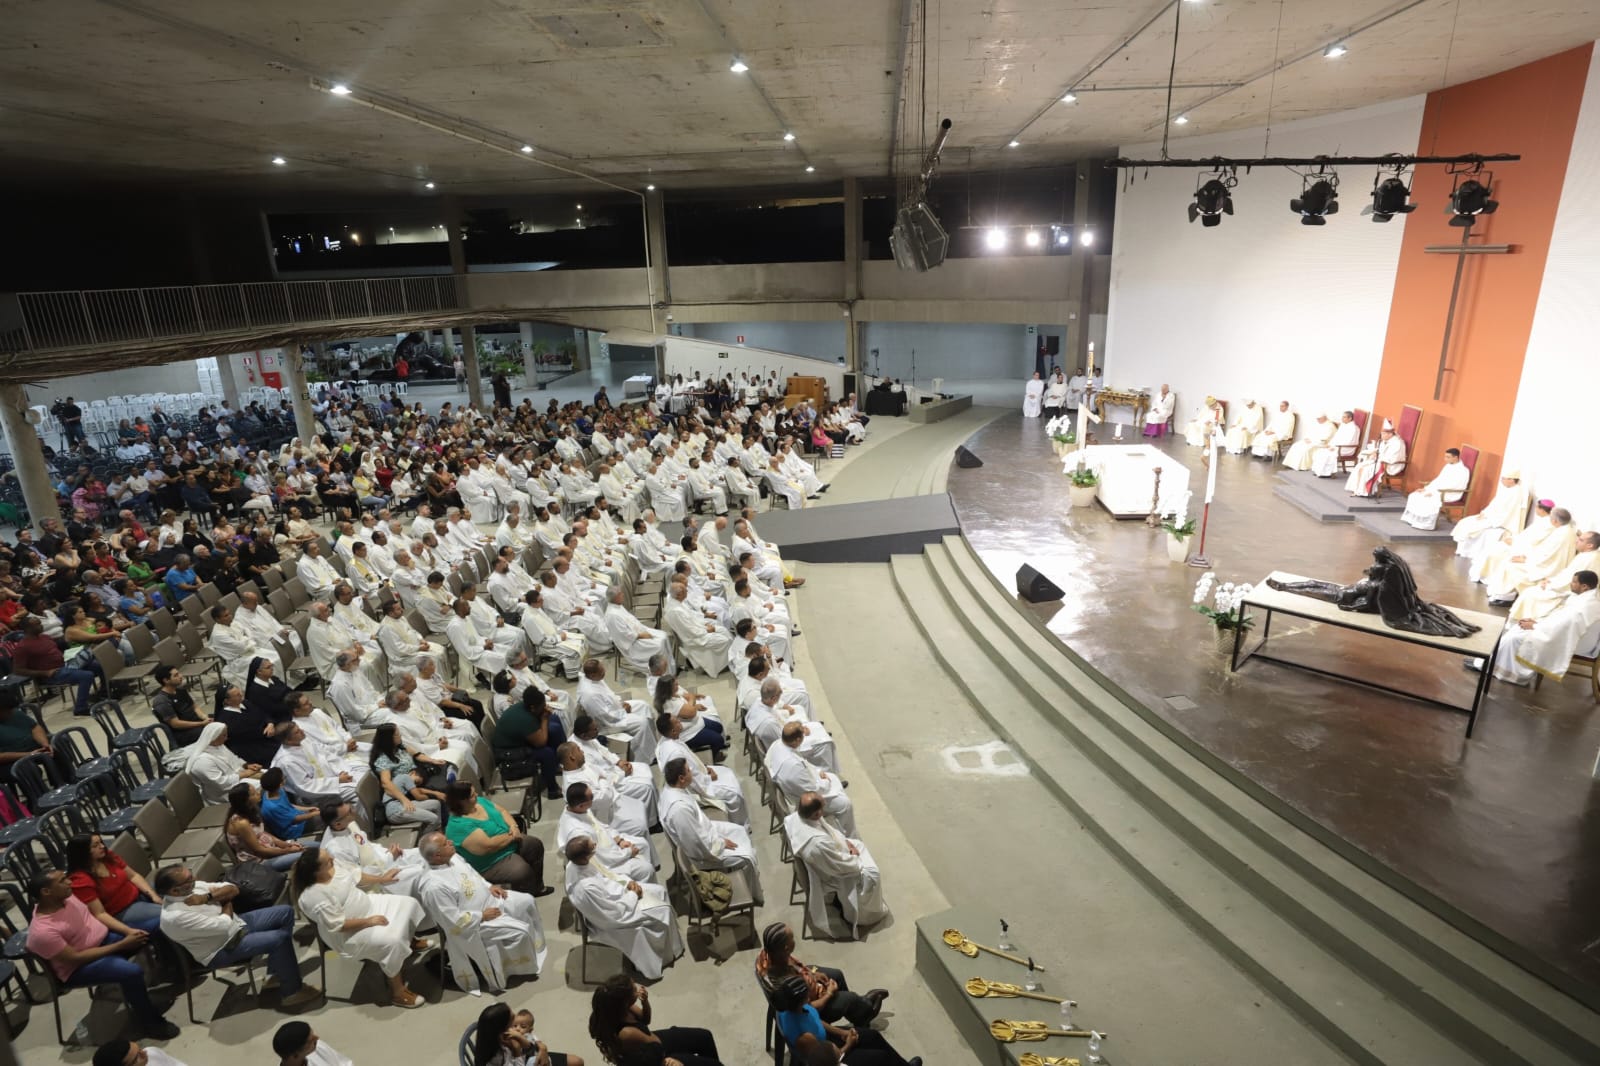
(1283, 443)
(1349, 452)
(1457, 501)
(1406, 429)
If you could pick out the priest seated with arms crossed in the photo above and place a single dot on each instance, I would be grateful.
(840, 867)
(489, 930)
(1545, 646)
(635, 918)
(1423, 505)
(703, 843)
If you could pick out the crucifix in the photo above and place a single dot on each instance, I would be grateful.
(1461, 252)
(1085, 416)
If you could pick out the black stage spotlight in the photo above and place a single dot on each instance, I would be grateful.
(1212, 200)
(1390, 197)
(1318, 198)
(1471, 199)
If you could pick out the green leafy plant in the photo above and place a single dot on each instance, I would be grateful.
(1084, 478)
(1183, 529)
(1064, 438)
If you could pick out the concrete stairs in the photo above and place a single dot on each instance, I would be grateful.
(1376, 975)
(1324, 499)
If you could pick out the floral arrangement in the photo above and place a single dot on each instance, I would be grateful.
(1177, 522)
(1082, 477)
(1224, 611)
(1061, 430)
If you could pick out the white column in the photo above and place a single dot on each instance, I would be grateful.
(469, 357)
(27, 452)
(294, 379)
(530, 369)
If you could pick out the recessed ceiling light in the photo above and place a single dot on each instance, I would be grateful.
(1013, 144)
(788, 135)
(278, 161)
(429, 185)
(1086, 238)
(810, 169)
(339, 89)
(1181, 120)
(649, 188)
(995, 238)
(738, 66)
(527, 148)
(580, 207)
(1334, 51)
(1032, 238)
(1070, 98)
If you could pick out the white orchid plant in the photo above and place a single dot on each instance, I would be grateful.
(1060, 428)
(1226, 598)
(1177, 521)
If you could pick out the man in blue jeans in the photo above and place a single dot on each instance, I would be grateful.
(83, 952)
(198, 916)
(38, 656)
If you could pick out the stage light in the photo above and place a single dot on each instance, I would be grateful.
(1032, 238)
(1212, 199)
(429, 185)
(279, 161)
(339, 89)
(1334, 51)
(649, 188)
(1181, 120)
(788, 135)
(810, 169)
(1319, 197)
(1070, 98)
(738, 66)
(1391, 196)
(1471, 199)
(1086, 238)
(1063, 237)
(580, 207)
(527, 148)
(995, 239)
(1013, 144)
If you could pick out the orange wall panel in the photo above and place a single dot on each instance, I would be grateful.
(1531, 110)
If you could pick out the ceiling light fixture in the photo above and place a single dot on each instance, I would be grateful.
(1319, 198)
(1181, 120)
(1391, 196)
(1471, 199)
(339, 89)
(1086, 238)
(1334, 51)
(429, 185)
(738, 66)
(278, 161)
(1212, 199)
(810, 169)
(527, 149)
(580, 207)
(1032, 238)
(1013, 144)
(995, 239)
(788, 135)
(649, 188)
(1070, 98)
(1063, 237)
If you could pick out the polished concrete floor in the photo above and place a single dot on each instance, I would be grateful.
(1502, 831)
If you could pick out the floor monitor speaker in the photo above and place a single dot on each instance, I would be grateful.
(965, 458)
(1035, 587)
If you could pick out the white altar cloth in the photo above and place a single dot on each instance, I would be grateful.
(1127, 477)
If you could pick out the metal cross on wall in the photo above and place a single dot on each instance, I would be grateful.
(1461, 252)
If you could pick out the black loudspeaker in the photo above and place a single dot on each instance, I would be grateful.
(965, 458)
(1035, 587)
(850, 385)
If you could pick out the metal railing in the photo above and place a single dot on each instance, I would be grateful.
(82, 318)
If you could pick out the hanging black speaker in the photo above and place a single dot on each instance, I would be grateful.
(1035, 587)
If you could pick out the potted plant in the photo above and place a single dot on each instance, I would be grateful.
(1085, 482)
(1224, 610)
(1180, 527)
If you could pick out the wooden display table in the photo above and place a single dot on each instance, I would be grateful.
(1139, 401)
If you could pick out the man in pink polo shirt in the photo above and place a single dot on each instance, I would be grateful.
(84, 952)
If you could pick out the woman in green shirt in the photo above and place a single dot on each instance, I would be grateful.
(489, 839)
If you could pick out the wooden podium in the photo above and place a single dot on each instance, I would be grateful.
(801, 387)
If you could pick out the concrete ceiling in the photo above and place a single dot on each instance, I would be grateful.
(204, 95)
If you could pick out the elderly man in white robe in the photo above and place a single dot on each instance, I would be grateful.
(568, 648)
(1205, 423)
(718, 786)
(511, 533)
(428, 729)
(1384, 456)
(769, 716)
(351, 618)
(257, 619)
(800, 470)
(491, 932)
(613, 714)
(1162, 405)
(742, 492)
(402, 645)
(626, 813)
(325, 641)
(1478, 533)
(1247, 422)
(1533, 555)
(840, 869)
(524, 676)
(1347, 435)
(236, 646)
(1538, 600)
(1423, 505)
(633, 917)
(1545, 646)
(1033, 396)
(572, 613)
(316, 573)
(791, 490)
(357, 700)
(630, 856)
(794, 776)
(507, 586)
(700, 638)
(356, 852)
(1317, 435)
(705, 844)
(1280, 429)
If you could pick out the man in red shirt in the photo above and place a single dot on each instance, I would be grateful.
(84, 952)
(37, 656)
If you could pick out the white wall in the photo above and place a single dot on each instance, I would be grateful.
(128, 381)
(1555, 436)
(961, 352)
(820, 340)
(685, 355)
(1260, 306)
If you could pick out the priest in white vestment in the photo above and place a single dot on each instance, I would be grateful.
(1246, 424)
(632, 917)
(1161, 407)
(402, 645)
(311, 772)
(236, 646)
(795, 776)
(1033, 396)
(1478, 533)
(767, 717)
(356, 699)
(632, 778)
(1386, 455)
(316, 573)
(1280, 428)
(632, 857)
(1199, 429)
(1300, 453)
(1423, 505)
(625, 812)
(705, 844)
(615, 715)
(718, 785)
(1538, 600)
(489, 930)
(1055, 395)
(567, 647)
(354, 851)
(1545, 646)
(703, 642)
(1533, 555)
(839, 867)
(1325, 461)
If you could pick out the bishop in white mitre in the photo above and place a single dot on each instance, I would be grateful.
(1478, 533)
(839, 867)
(1385, 455)
(1423, 505)
(489, 930)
